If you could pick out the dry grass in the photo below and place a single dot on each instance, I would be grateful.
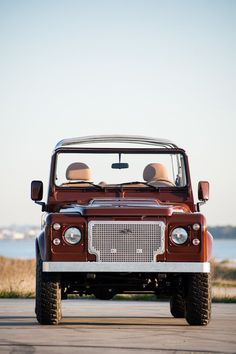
(17, 279)
(224, 281)
(224, 271)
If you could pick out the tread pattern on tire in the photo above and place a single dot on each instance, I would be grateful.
(48, 297)
(198, 301)
(177, 306)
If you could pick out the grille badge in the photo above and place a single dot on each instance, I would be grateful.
(126, 232)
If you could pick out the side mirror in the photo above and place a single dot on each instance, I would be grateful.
(36, 190)
(203, 191)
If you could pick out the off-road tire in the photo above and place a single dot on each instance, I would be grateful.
(177, 306)
(198, 300)
(48, 296)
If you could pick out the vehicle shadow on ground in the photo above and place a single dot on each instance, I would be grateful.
(122, 321)
(22, 321)
(17, 321)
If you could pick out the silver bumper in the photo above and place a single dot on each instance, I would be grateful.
(158, 267)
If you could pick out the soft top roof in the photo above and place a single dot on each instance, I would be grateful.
(130, 139)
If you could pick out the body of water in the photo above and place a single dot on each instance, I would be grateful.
(17, 248)
(222, 249)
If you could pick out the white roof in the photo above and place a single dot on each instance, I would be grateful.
(130, 139)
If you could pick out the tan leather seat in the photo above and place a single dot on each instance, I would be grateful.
(156, 175)
(77, 171)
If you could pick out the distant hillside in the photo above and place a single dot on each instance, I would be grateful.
(223, 232)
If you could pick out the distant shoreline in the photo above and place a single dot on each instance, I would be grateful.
(223, 232)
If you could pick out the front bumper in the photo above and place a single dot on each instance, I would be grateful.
(153, 267)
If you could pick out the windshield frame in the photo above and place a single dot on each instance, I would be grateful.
(102, 150)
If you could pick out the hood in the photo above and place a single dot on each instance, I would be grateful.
(121, 206)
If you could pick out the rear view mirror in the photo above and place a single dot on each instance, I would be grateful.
(36, 190)
(120, 165)
(203, 191)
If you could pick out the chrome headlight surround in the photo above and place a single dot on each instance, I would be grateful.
(179, 236)
(72, 235)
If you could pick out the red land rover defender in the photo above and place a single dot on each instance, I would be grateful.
(120, 218)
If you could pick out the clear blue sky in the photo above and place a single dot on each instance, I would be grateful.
(157, 68)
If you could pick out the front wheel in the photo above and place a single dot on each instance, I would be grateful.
(177, 306)
(48, 296)
(198, 300)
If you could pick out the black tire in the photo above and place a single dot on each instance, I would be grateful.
(198, 301)
(177, 306)
(48, 296)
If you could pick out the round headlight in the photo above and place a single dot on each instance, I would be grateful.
(179, 236)
(73, 235)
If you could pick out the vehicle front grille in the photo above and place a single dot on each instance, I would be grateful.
(122, 241)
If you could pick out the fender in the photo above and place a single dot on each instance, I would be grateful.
(42, 246)
(209, 245)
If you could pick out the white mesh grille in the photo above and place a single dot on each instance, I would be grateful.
(126, 241)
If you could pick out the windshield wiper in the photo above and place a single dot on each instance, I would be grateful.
(86, 182)
(138, 182)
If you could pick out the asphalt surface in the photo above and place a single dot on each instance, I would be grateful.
(93, 326)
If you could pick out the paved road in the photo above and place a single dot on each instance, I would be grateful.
(123, 327)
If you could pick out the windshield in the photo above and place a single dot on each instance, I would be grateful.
(110, 169)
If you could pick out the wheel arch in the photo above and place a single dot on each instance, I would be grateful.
(40, 245)
(209, 245)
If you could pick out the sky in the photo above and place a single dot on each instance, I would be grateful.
(160, 68)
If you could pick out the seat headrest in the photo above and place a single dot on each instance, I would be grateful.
(154, 172)
(78, 171)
